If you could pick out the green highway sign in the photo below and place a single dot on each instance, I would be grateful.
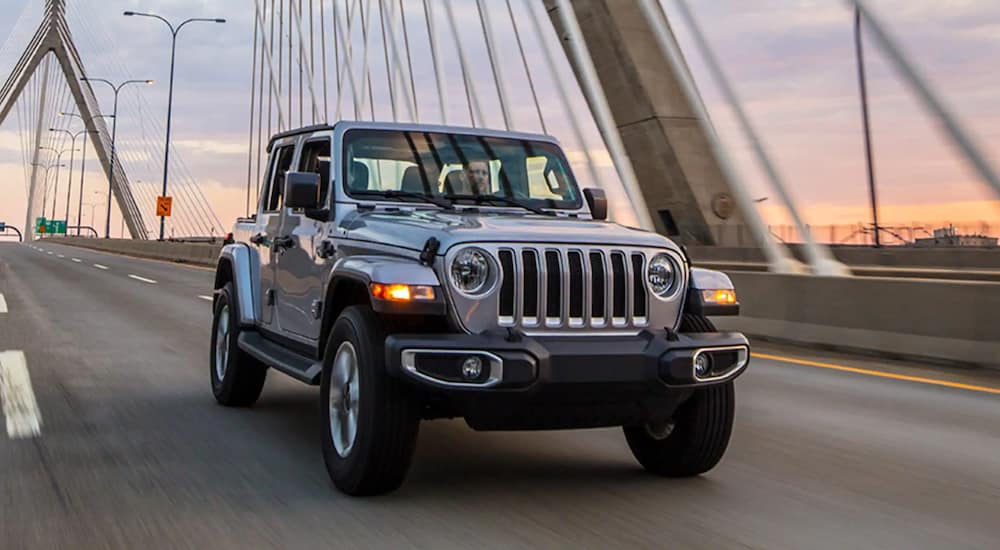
(40, 225)
(58, 227)
(3, 226)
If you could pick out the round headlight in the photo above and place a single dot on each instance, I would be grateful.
(661, 275)
(470, 271)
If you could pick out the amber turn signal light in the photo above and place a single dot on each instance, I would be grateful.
(719, 297)
(401, 292)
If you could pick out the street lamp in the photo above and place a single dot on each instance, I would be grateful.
(69, 180)
(45, 183)
(114, 132)
(83, 164)
(170, 94)
(55, 192)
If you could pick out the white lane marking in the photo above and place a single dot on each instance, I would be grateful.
(99, 266)
(61, 256)
(3, 304)
(143, 279)
(49, 252)
(209, 298)
(77, 260)
(24, 420)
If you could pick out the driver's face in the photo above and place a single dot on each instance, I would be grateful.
(478, 173)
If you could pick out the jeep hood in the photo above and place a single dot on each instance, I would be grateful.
(412, 228)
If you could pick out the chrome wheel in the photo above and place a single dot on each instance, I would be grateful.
(222, 343)
(345, 393)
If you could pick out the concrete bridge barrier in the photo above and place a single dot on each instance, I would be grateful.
(196, 253)
(909, 318)
(938, 320)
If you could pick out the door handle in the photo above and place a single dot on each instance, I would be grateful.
(325, 249)
(257, 239)
(284, 242)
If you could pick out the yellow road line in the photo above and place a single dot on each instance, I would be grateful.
(880, 374)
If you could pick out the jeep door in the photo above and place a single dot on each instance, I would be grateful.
(301, 271)
(269, 227)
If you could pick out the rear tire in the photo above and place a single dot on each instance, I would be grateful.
(695, 439)
(370, 425)
(237, 378)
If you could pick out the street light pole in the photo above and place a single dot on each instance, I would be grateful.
(114, 133)
(55, 192)
(170, 93)
(45, 184)
(862, 85)
(83, 166)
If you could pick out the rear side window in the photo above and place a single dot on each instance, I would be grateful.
(277, 187)
(315, 159)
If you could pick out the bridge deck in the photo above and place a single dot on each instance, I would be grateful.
(133, 451)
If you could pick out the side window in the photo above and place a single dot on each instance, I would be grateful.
(315, 158)
(265, 190)
(282, 166)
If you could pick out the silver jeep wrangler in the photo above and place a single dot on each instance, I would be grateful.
(416, 272)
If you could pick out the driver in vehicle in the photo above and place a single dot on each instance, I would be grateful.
(473, 180)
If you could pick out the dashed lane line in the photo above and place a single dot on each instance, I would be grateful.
(20, 407)
(99, 266)
(49, 252)
(203, 297)
(77, 260)
(60, 256)
(3, 304)
(142, 279)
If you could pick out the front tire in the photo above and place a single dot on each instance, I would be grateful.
(695, 439)
(370, 420)
(237, 378)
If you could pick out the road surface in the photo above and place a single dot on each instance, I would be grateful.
(133, 452)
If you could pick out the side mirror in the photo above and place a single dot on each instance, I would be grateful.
(301, 190)
(597, 200)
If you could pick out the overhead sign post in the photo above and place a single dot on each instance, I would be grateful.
(163, 206)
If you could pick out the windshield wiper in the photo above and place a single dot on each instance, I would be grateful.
(506, 201)
(395, 194)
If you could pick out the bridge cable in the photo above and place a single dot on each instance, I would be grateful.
(409, 64)
(388, 71)
(470, 93)
(820, 257)
(484, 21)
(527, 67)
(438, 71)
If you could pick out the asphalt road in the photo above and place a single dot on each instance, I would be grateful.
(134, 453)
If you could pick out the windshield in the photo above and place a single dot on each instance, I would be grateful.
(459, 168)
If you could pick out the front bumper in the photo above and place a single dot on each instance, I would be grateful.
(517, 363)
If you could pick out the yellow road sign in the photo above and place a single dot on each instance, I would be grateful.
(164, 206)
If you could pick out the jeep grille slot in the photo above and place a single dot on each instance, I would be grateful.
(574, 287)
(507, 287)
(530, 262)
(553, 290)
(639, 297)
(598, 289)
(619, 299)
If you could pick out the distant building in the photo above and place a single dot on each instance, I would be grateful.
(949, 237)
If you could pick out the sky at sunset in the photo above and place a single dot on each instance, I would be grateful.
(792, 62)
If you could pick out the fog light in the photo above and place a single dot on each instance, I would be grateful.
(472, 368)
(702, 364)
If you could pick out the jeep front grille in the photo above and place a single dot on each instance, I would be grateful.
(576, 288)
